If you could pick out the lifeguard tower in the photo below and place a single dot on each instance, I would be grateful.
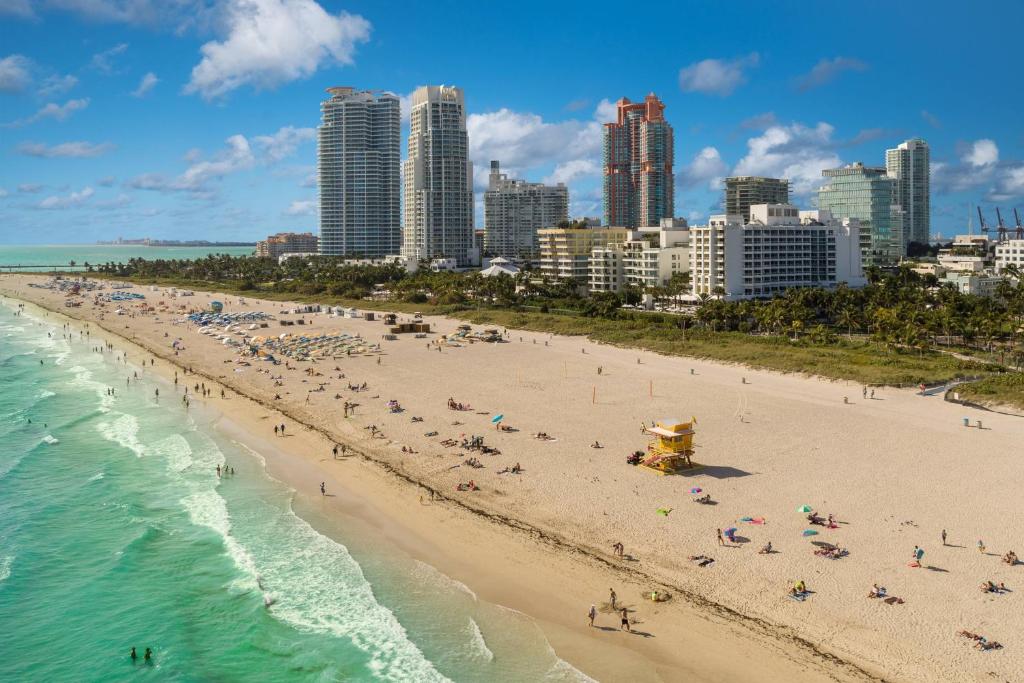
(672, 447)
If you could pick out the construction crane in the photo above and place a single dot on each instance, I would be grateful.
(981, 219)
(1002, 226)
(1019, 232)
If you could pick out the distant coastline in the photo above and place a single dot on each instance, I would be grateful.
(146, 242)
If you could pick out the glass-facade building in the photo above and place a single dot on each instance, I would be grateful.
(359, 174)
(639, 149)
(869, 195)
(910, 165)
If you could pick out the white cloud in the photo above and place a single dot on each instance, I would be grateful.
(716, 76)
(3, 192)
(70, 201)
(827, 70)
(522, 141)
(15, 73)
(981, 153)
(58, 112)
(301, 208)
(238, 155)
(707, 167)
(606, 111)
(270, 42)
(796, 152)
(284, 142)
(104, 61)
(106, 181)
(120, 201)
(29, 188)
(568, 171)
(17, 8)
(73, 150)
(931, 119)
(1010, 184)
(55, 85)
(147, 83)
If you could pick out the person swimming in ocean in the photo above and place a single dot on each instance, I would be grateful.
(148, 655)
(133, 655)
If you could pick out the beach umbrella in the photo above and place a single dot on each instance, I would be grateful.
(730, 532)
(810, 532)
(696, 489)
(746, 519)
(804, 508)
(497, 418)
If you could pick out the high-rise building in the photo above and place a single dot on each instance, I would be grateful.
(514, 210)
(438, 178)
(780, 247)
(742, 192)
(359, 173)
(910, 164)
(639, 150)
(869, 195)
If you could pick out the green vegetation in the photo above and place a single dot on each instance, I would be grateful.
(1007, 389)
(901, 329)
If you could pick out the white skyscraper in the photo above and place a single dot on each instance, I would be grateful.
(514, 210)
(359, 174)
(910, 165)
(438, 178)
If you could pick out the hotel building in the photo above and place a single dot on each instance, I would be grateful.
(638, 155)
(514, 210)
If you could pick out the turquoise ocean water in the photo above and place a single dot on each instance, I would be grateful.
(115, 531)
(60, 254)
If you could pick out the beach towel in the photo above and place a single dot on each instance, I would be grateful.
(799, 597)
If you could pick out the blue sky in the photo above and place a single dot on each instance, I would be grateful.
(196, 118)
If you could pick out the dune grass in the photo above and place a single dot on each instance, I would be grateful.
(1006, 389)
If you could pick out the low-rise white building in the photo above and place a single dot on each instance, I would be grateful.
(781, 247)
(977, 284)
(648, 257)
(1009, 253)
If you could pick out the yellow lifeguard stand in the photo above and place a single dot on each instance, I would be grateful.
(672, 447)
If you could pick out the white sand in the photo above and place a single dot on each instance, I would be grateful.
(894, 471)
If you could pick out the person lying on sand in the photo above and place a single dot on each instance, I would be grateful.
(989, 587)
(596, 444)
(876, 591)
(702, 560)
(1010, 558)
(705, 499)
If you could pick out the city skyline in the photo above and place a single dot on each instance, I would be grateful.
(144, 118)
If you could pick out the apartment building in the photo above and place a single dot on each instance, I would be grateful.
(1009, 253)
(780, 247)
(742, 192)
(283, 243)
(565, 252)
(869, 195)
(359, 173)
(910, 165)
(639, 150)
(514, 210)
(438, 178)
(648, 258)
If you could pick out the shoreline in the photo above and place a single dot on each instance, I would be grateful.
(520, 543)
(395, 483)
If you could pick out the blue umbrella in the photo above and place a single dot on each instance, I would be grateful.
(497, 418)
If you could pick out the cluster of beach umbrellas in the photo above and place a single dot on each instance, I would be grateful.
(302, 347)
(225, 319)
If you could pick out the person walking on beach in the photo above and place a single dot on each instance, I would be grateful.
(323, 489)
(592, 614)
(275, 430)
(981, 547)
(625, 620)
(721, 539)
(943, 537)
(282, 429)
(612, 596)
(335, 451)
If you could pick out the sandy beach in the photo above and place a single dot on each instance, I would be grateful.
(894, 471)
